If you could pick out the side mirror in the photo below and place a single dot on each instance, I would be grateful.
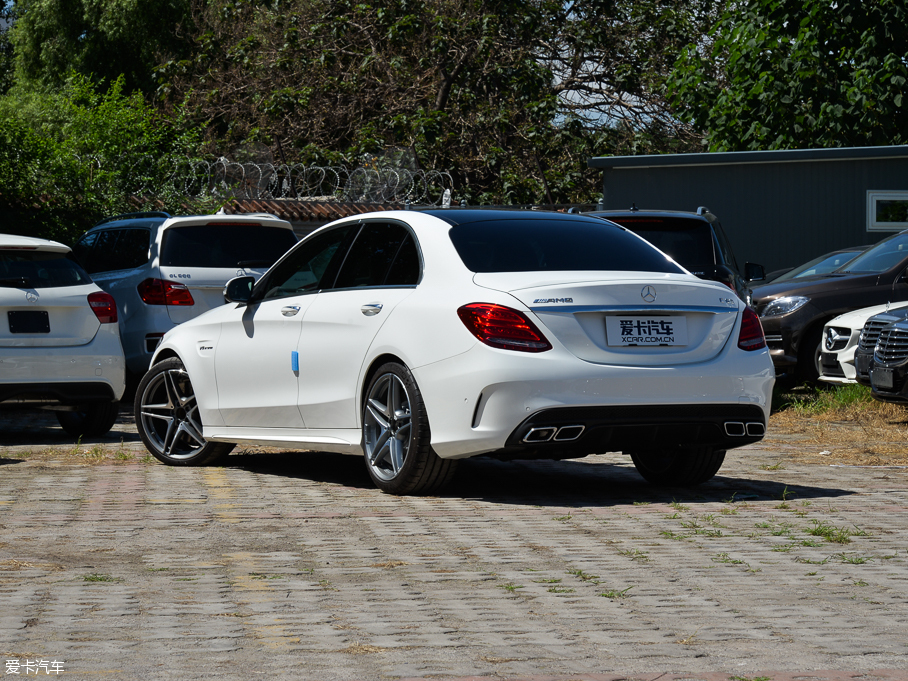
(754, 272)
(239, 290)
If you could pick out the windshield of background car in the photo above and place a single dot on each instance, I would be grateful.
(689, 242)
(821, 265)
(554, 245)
(39, 269)
(884, 256)
(225, 245)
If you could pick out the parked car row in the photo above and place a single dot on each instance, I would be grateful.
(78, 320)
(795, 311)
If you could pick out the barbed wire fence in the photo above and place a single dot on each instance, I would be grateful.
(225, 179)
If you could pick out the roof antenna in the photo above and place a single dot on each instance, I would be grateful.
(634, 208)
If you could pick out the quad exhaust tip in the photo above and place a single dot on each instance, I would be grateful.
(740, 429)
(553, 434)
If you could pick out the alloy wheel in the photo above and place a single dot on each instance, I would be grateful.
(169, 415)
(387, 427)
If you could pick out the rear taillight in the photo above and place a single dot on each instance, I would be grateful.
(751, 336)
(104, 306)
(160, 292)
(502, 327)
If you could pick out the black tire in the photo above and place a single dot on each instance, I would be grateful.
(396, 436)
(91, 420)
(679, 468)
(168, 421)
(809, 367)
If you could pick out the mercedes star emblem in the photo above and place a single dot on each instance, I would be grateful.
(648, 293)
(31, 297)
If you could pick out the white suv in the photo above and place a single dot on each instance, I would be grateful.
(60, 344)
(164, 270)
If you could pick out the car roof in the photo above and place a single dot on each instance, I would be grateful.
(638, 213)
(463, 216)
(15, 241)
(156, 219)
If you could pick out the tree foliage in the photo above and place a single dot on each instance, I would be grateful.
(100, 39)
(68, 159)
(511, 95)
(786, 74)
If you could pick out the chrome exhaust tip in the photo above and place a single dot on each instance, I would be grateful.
(538, 435)
(735, 429)
(569, 433)
(756, 429)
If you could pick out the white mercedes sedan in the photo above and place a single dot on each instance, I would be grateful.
(418, 338)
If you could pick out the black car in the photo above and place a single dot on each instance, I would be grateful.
(696, 241)
(870, 334)
(794, 312)
(889, 367)
(822, 265)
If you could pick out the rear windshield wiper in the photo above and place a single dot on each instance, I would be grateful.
(15, 282)
(255, 263)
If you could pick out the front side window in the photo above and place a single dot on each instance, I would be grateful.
(108, 250)
(380, 250)
(308, 268)
(515, 245)
(39, 269)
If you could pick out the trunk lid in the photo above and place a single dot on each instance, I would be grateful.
(626, 318)
(47, 317)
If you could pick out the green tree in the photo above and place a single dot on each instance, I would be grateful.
(7, 16)
(70, 158)
(100, 39)
(511, 95)
(787, 74)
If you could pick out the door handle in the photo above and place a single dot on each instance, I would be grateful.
(290, 310)
(371, 309)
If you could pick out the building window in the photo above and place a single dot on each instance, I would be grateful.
(887, 211)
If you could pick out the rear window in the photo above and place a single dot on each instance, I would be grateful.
(554, 245)
(688, 242)
(40, 269)
(225, 245)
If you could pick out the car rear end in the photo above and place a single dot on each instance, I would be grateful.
(625, 352)
(60, 340)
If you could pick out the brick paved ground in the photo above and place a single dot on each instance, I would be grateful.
(291, 566)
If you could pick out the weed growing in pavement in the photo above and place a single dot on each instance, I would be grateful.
(547, 581)
(121, 454)
(511, 587)
(831, 533)
(784, 548)
(262, 575)
(784, 505)
(148, 458)
(635, 554)
(585, 576)
(163, 569)
(96, 453)
(751, 678)
(729, 511)
(99, 577)
(725, 558)
(854, 560)
(786, 494)
(678, 506)
(642, 503)
(671, 535)
(616, 594)
(560, 590)
(673, 516)
(563, 518)
(77, 447)
(777, 466)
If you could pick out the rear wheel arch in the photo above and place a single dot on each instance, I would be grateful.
(374, 366)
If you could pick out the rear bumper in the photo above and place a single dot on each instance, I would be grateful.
(478, 401)
(66, 375)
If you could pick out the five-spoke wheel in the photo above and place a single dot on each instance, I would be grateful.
(396, 438)
(167, 418)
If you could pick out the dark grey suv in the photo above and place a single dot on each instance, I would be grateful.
(696, 241)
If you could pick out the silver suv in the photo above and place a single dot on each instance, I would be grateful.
(164, 270)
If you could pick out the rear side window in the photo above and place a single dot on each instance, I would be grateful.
(688, 242)
(554, 245)
(227, 245)
(39, 269)
(107, 250)
(379, 250)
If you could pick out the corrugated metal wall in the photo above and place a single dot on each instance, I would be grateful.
(776, 214)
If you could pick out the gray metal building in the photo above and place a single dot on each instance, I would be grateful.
(779, 208)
